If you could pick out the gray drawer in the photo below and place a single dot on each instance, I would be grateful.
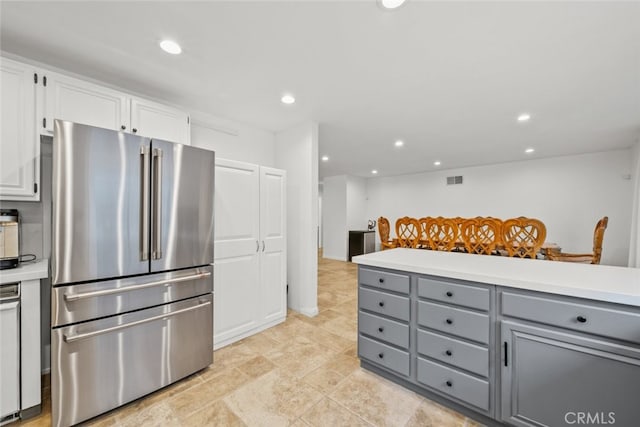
(464, 387)
(383, 280)
(384, 303)
(608, 322)
(455, 321)
(467, 356)
(454, 293)
(384, 355)
(393, 332)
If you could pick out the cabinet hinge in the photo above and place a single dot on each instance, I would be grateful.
(44, 122)
(35, 78)
(44, 80)
(35, 187)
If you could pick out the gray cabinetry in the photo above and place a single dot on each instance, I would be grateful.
(549, 378)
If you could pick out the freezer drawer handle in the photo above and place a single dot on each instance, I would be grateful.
(73, 338)
(83, 295)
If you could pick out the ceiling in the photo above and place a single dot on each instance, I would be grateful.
(448, 78)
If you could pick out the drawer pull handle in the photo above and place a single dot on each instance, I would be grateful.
(582, 319)
(380, 355)
(448, 353)
(381, 303)
(449, 384)
(381, 280)
(380, 329)
(449, 294)
(449, 321)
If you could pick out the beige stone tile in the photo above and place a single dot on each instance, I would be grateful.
(323, 379)
(259, 343)
(343, 364)
(274, 399)
(430, 414)
(159, 414)
(342, 327)
(352, 351)
(374, 400)
(320, 318)
(256, 367)
(329, 413)
(473, 423)
(326, 338)
(216, 414)
(232, 355)
(300, 356)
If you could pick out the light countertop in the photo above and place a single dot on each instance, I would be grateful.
(597, 282)
(27, 271)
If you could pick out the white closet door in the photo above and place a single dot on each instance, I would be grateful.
(273, 265)
(237, 224)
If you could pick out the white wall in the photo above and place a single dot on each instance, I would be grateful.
(334, 217)
(569, 194)
(634, 235)
(297, 153)
(232, 140)
(356, 203)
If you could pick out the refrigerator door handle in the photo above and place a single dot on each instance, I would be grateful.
(144, 203)
(157, 204)
(72, 338)
(83, 295)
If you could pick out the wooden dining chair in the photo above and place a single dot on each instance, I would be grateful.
(424, 223)
(383, 230)
(442, 234)
(408, 231)
(592, 258)
(523, 237)
(480, 235)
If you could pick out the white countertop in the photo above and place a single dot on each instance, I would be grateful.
(27, 271)
(598, 282)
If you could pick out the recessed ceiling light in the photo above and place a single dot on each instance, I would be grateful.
(391, 4)
(524, 117)
(171, 47)
(287, 99)
(374, 171)
(529, 150)
(325, 158)
(437, 163)
(398, 143)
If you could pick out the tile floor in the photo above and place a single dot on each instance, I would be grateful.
(303, 372)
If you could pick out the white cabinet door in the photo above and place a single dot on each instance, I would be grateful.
(236, 271)
(86, 103)
(19, 146)
(273, 262)
(159, 121)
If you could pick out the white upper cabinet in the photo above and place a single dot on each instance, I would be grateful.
(75, 100)
(19, 146)
(159, 121)
(78, 101)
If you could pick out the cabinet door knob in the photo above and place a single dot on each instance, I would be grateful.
(448, 353)
(381, 280)
(449, 321)
(582, 319)
(381, 303)
(449, 294)
(449, 384)
(380, 329)
(123, 127)
(380, 355)
(134, 130)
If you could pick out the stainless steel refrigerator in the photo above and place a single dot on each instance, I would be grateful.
(132, 248)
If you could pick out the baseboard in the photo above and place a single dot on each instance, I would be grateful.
(217, 345)
(309, 312)
(336, 258)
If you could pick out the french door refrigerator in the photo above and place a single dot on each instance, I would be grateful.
(132, 248)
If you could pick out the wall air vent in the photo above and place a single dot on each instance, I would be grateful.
(454, 180)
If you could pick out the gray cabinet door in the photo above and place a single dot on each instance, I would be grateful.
(554, 378)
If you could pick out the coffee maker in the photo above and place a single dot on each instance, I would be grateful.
(9, 238)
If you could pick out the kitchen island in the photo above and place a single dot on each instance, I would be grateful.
(507, 341)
